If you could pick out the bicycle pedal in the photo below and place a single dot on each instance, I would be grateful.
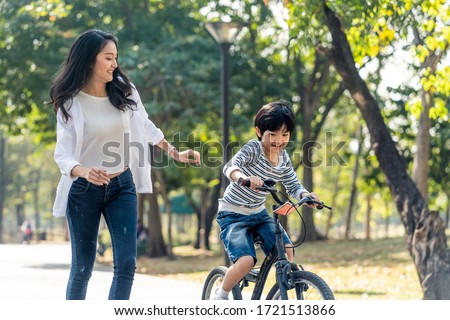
(252, 275)
(257, 241)
(254, 272)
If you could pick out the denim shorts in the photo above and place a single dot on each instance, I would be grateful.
(237, 232)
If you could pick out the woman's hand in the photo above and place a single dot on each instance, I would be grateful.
(93, 175)
(189, 156)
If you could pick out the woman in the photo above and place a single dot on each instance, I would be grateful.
(103, 132)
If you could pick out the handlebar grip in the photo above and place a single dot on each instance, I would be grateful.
(320, 205)
(243, 182)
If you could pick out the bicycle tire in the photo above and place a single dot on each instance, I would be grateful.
(214, 279)
(316, 288)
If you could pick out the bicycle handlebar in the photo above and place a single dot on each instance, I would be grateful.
(265, 187)
(268, 186)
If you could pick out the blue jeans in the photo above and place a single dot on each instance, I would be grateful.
(237, 232)
(117, 202)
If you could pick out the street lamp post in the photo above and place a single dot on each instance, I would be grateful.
(224, 33)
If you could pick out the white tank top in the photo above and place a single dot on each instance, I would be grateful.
(104, 134)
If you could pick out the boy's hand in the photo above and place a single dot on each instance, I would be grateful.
(311, 195)
(255, 182)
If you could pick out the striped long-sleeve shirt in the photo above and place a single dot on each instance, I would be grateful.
(251, 161)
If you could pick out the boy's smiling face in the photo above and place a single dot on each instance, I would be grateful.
(273, 142)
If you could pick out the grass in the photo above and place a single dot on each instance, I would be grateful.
(354, 269)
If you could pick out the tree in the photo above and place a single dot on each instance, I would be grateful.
(425, 234)
(314, 93)
(2, 181)
(354, 190)
(428, 21)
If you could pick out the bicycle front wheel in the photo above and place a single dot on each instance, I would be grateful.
(214, 280)
(308, 286)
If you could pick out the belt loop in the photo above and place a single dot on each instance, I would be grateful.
(122, 175)
(119, 182)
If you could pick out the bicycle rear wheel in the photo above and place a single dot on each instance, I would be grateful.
(214, 280)
(308, 286)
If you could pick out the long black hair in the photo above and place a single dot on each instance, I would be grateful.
(76, 71)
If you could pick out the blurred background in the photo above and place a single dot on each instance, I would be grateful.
(204, 91)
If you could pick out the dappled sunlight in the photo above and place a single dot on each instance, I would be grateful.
(373, 282)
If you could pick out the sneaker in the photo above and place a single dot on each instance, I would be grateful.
(215, 296)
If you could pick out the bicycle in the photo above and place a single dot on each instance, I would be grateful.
(292, 281)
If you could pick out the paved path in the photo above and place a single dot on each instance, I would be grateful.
(40, 271)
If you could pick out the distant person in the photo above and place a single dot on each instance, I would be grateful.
(142, 232)
(242, 214)
(102, 150)
(27, 231)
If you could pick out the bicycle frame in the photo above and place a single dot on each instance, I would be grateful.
(276, 257)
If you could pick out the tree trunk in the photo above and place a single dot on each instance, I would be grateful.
(141, 199)
(351, 202)
(311, 233)
(156, 246)
(447, 213)
(368, 216)
(170, 253)
(211, 213)
(310, 99)
(2, 182)
(204, 195)
(422, 156)
(35, 183)
(387, 221)
(200, 211)
(425, 233)
(333, 203)
(162, 190)
(205, 220)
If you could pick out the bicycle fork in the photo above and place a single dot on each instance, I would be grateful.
(283, 266)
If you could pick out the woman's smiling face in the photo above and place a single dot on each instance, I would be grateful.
(105, 63)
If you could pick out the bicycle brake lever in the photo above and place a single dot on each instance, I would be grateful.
(322, 205)
(319, 205)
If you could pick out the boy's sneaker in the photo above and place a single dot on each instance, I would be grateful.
(215, 296)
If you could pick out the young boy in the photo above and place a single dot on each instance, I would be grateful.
(242, 213)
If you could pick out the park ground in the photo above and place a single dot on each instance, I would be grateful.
(355, 269)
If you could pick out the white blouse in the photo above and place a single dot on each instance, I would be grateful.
(105, 136)
(70, 136)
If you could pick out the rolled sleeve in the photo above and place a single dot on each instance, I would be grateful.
(228, 170)
(65, 147)
(153, 134)
(242, 158)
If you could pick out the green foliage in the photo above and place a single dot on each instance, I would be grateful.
(25, 61)
(175, 65)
